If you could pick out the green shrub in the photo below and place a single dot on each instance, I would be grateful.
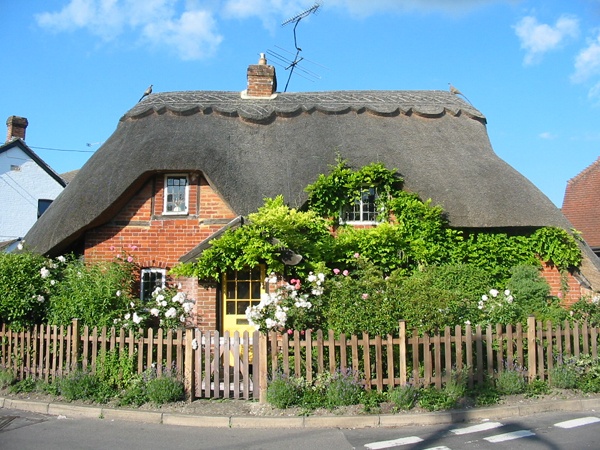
(371, 400)
(587, 310)
(511, 381)
(403, 397)
(7, 378)
(563, 377)
(24, 287)
(97, 294)
(433, 399)
(536, 388)
(165, 389)
(84, 385)
(284, 392)
(136, 393)
(456, 387)
(485, 394)
(344, 389)
(25, 385)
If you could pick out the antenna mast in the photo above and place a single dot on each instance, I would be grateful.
(296, 20)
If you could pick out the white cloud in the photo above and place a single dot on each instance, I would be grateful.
(191, 27)
(191, 33)
(539, 38)
(587, 62)
(546, 135)
(364, 8)
(194, 35)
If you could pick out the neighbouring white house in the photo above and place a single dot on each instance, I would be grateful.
(27, 184)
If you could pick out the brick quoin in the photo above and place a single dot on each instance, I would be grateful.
(155, 240)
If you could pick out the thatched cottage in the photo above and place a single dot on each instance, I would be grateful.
(182, 165)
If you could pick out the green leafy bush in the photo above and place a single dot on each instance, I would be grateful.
(284, 392)
(537, 388)
(563, 377)
(511, 381)
(404, 397)
(84, 385)
(343, 389)
(7, 378)
(97, 294)
(433, 399)
(164, 389)
(359, 302)
(24, 288)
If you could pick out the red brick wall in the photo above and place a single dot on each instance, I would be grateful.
(574, 289)
(581, 204)
(141, 230)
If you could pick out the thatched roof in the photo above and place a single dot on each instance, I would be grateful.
(251, 149)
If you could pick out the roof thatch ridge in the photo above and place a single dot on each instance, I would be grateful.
(233, 104)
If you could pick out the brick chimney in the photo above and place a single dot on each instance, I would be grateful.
(16, 127)
(262, 81)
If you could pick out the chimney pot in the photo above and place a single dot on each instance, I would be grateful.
(16, 127)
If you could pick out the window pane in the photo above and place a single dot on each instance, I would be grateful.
(255, 290)
(241, 307)
(175, 194)
(243, 289)
(230, 289)
(230, 307)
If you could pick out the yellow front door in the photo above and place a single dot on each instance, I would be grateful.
(241, 289)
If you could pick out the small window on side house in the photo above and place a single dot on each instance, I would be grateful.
(363, 210)
(43, 205)
(176, 194)
(150, 280)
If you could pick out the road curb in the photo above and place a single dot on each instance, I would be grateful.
(359, 421)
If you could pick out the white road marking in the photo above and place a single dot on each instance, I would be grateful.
(393, 442)
(577, 422)
(509, 436)
(476, 428)
(442, 447)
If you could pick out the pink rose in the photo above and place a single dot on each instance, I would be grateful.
(130, 259)
(345, 273)
(357, 255)
(336, 271)
(365, 296)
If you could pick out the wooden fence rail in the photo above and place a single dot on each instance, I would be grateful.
(212, 365)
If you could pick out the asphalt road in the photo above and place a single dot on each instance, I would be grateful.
(21, 430)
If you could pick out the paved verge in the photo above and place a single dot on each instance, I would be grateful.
(362, 421)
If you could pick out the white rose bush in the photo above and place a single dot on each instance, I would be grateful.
(292, 306)
(168, 309)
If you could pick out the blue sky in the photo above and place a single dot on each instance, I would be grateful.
(74, 67)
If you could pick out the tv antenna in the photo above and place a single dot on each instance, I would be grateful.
(291, 65)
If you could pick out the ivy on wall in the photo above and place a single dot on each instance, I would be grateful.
(412, 234)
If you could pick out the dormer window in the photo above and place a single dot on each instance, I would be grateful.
(176, 194)
(363, 210)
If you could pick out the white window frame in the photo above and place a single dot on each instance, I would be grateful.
(186, 194)
(361, 203)
(151, 271)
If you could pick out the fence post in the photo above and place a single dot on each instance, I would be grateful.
(188, 365)
(531, 348)
(402, 336)
(74, 345)
(262, 367)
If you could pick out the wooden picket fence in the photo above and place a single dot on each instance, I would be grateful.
(212, 365)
